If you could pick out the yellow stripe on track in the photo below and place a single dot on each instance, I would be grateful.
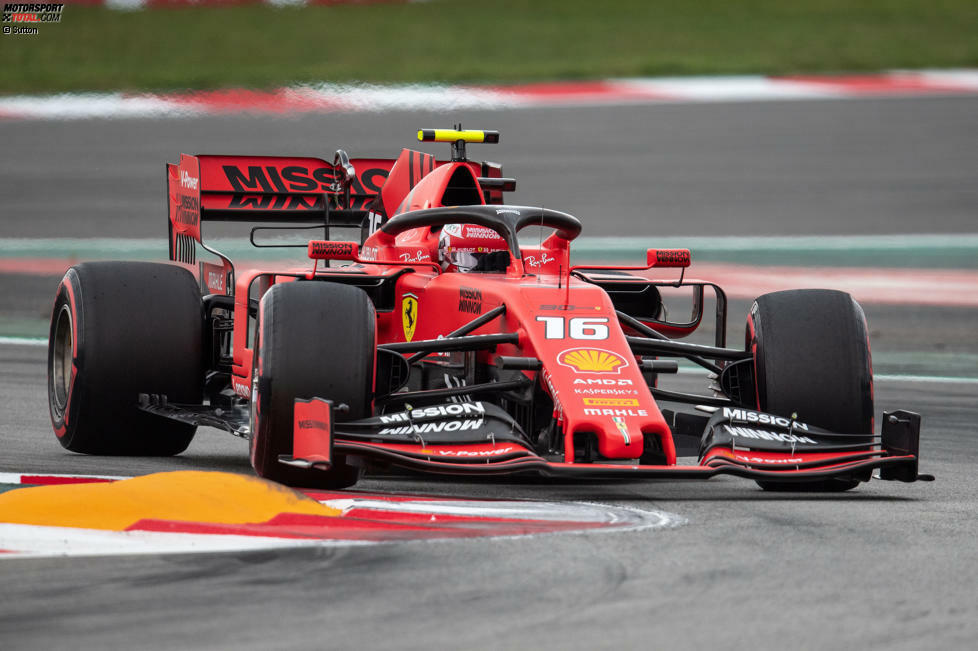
(187, 496)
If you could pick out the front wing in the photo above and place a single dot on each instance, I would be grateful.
(494, 449)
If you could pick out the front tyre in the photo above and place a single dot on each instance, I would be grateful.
(812, 362)
(119, 329)
(315, 340)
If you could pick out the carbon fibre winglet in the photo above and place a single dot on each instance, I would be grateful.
(901, 437)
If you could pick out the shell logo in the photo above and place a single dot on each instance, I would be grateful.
(592, 360)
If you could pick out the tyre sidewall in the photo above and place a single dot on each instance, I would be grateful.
(64, 421)
(137, 328)
(292, 361)
(816, 364)
(812, 361)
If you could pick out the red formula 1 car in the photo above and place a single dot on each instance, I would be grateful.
(442, 343)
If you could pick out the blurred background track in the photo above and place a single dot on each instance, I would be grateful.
(888, 566)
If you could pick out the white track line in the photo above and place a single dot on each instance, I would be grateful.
(330, 98)
(23, 341)
(30, 541)
(65, 246)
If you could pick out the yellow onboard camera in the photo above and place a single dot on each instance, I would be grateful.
(458, 137)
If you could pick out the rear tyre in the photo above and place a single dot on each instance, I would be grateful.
(812, 359)
(119, 329)
(315, 340)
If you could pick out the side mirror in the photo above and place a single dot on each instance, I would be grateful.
(327, 250)
(668, 258)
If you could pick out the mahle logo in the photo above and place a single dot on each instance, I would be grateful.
(592, 360)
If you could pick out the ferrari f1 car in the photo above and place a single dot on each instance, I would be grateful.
(441, 342)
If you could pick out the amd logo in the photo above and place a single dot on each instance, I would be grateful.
(603, 382)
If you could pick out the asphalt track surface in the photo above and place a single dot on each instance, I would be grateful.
(779, 168)
(887, 566)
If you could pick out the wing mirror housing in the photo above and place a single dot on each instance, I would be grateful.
(327, 250)
(668, 258)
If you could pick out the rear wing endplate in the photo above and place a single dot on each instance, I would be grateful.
(276, 189)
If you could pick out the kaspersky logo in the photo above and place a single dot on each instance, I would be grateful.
(592, 360)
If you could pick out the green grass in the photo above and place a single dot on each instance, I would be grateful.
(483, 41)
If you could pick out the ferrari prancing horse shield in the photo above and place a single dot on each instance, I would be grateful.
(409, 315)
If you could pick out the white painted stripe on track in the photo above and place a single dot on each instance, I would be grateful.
(926, 379)
(18, 541)
(327, 98)
(623, 517)
(59, 246)
(73, 106)
(794, 243)
(23, 341)
(881, 377)
(721, 89)
(31, 541)
(377, 98)
(878, 377)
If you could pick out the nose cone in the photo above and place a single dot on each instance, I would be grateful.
(591, 373)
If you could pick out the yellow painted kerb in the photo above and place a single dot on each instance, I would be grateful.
(186, 496)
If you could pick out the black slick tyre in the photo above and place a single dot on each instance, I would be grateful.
(119, 329)
(315, 340)
(812, 360)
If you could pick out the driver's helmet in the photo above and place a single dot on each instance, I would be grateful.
(468, 247)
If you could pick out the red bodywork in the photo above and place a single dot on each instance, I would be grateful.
(588, 369)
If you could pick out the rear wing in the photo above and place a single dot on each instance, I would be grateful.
(263, 189)
(294, 190)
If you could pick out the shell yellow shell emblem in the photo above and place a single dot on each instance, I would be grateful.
(592, 360)
(409, 315)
